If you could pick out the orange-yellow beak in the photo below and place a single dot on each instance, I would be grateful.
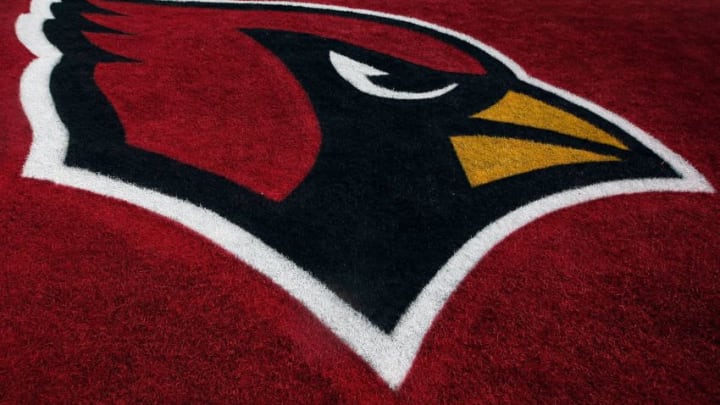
(486, 158)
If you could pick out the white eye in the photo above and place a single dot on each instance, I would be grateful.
(358, 74)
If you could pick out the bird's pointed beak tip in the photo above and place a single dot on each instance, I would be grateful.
(522, 109)
(487, 158)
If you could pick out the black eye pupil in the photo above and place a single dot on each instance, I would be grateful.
(399, 76)
(410, 81)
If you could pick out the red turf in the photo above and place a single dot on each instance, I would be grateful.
(611, 301)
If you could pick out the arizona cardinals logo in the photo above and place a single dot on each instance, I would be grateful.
(364, 162)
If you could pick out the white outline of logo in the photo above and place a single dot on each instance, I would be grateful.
(390, 355)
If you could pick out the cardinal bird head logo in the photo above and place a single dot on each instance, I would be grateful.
(364, 162)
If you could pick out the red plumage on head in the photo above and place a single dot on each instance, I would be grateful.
(234, 109)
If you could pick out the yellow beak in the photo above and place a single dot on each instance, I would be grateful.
(486, 158)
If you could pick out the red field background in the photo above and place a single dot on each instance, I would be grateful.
(616, 300)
